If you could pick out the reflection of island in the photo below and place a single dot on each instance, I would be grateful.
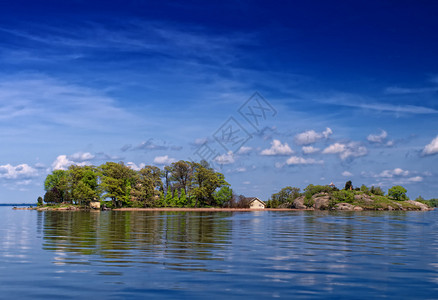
(121, 238)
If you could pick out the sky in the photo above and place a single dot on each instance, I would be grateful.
(272, 94)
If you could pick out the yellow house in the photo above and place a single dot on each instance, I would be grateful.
(256, 203)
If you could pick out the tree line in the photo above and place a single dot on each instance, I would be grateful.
(182, 184)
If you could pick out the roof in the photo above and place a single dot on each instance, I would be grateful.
(252, 199)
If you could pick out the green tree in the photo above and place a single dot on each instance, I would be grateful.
(204, 183)
(285, 195)
(182, 201)
(169, 198)
(376, 191)
(397, 193)
(364, 189)
(53, 196)
(181, 174)
(147, 187)
(40, 201)
(117, 180)
(83, 184)
(59, 179)
(348, 185)
(223, 195)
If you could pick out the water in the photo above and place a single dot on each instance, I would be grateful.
(199, 255)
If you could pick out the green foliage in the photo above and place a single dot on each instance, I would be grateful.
(432, 202)
(376, 191)
(365, 189)
(168, 198)
(223, 195)
(204, 184)
(346, 196)
(397, 193)
(311, 190)
(117, 181)
(53, 196)
(40, 201)
(308, 202)
(348, 185)
(83, 184)
(420, 199)
(285, 196)
(147, 185)
(182, 201)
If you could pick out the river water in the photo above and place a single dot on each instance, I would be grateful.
(217, 255)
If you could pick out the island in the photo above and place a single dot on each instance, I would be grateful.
(188, 185)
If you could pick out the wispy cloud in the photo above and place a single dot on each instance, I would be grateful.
(360, 102)
(35, 97)
(407, 91)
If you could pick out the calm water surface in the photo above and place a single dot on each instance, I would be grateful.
(199, 255)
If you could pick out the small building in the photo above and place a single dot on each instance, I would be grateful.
(332, 185)
(95, 204)
(256, 203)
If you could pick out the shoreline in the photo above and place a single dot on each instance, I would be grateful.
(206, 209)
(191, 209)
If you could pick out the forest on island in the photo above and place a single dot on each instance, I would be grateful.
(182, 184)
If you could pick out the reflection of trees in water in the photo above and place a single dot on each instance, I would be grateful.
(150, 237)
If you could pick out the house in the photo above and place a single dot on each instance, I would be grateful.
(332, 185)
(256, 203)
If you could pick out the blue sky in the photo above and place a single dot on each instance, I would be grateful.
(352, 90)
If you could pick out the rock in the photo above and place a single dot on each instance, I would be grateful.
(321, 201)
(364, 197)
(299, 203)
(347, 206)
(420, 205)
(390, 207)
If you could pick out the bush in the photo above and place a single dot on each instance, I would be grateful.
(343, 196)
(398, 193)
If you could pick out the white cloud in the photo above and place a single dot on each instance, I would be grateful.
(309, 149)
(327, 132)
(21, 171)
(164, 160)
(311, 136)
(334, 148)
(277, 149)
(62, 162)
(225, 159)
(415, 179)
(81, 156)
(392, 173)
(432, 147)
(135, 167)
(244, 150)
(246, 182)
(347, 174)
(378, 138)
(201, 141)
(352, 149)
(296, 160)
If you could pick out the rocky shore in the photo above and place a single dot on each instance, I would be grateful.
(361, 202)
